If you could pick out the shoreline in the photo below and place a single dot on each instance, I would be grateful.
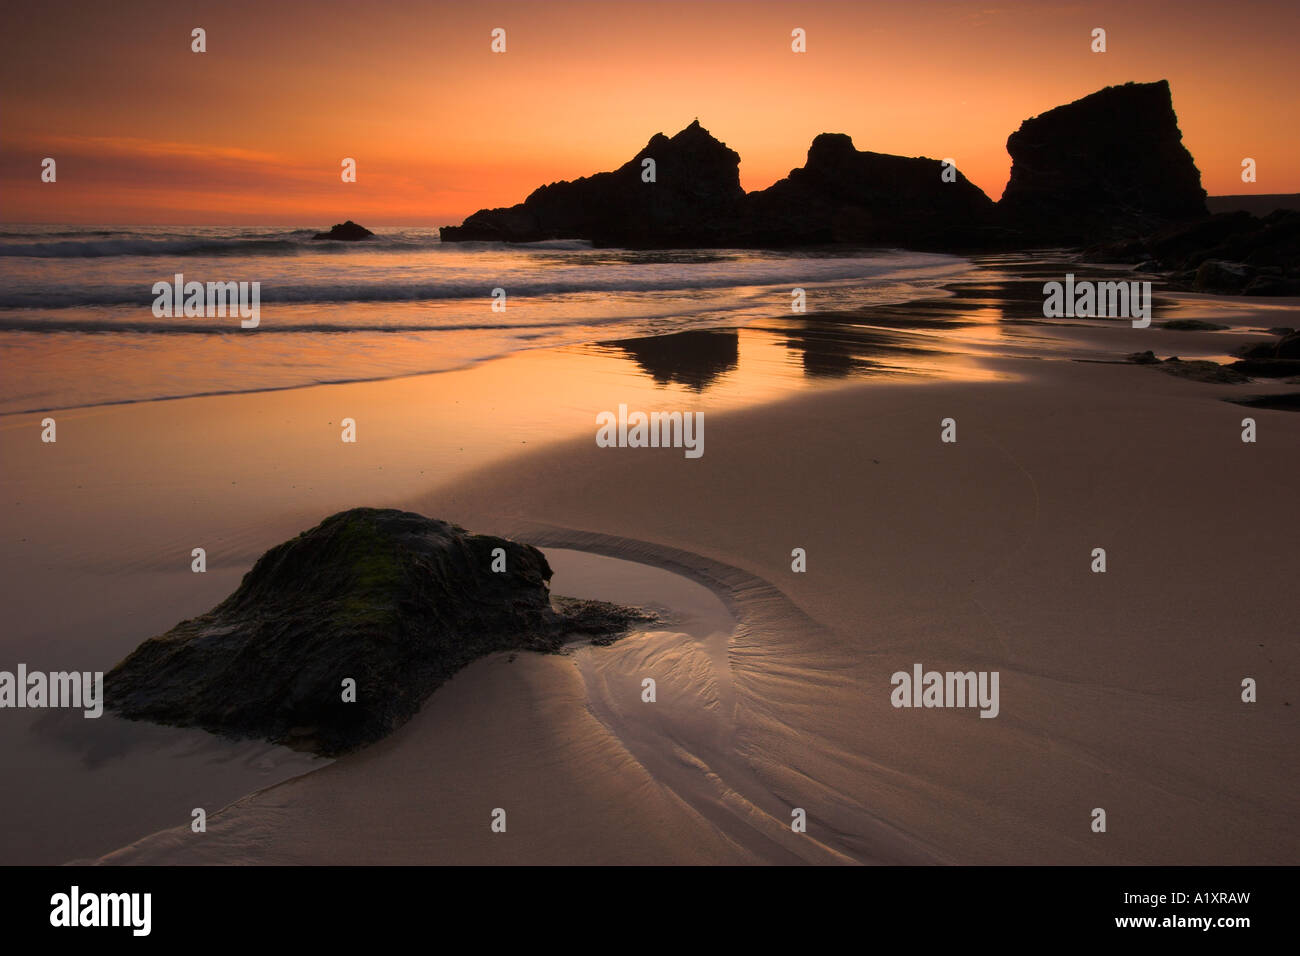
(845, 459)
(928, 306)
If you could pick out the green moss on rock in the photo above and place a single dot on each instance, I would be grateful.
(392, 600)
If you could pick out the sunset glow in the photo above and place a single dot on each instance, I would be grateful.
(254, 130)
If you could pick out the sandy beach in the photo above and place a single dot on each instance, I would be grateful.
(1118, 690)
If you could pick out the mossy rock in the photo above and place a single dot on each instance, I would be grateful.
(389, 599)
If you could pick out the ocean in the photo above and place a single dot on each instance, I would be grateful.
(78, 327)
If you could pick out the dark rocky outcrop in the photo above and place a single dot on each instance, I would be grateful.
(393, 600)
(1233, 253)
(1198, 370)
(1280, 359)
(346, 232)
(1269, 368)
(694, 201)
(1214, 275)
(1109, 172)
(845, 195)
(1108, 165)
(840, 195)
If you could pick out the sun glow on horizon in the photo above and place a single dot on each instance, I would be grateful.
(254, 130)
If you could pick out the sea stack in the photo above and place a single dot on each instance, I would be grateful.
(1109, 165)
(842, 194)
(678, 191)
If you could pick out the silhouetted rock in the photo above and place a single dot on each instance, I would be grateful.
(1110, 164)
(345, 231)
(1268, 368)
(693, 201)
(1197, 370)
(1233, 253)
(392, 600)
(1181, 246)
(842, 194)
(1214, 275)
(1271, 359)
(1200, 370)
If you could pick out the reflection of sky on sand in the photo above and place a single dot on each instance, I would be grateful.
(96, 544)
(996, 315)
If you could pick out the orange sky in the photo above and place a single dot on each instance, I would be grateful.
(253, 131)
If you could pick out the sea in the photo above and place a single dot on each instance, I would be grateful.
(78, 325)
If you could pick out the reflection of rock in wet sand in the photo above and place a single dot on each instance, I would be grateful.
(828, 350)
(695, 359)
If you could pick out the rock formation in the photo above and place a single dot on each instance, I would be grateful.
(1234, 253)
(1107, 171)
(346, 232)
(391, 600)
(842, 194)
(1110, 164)
(693, 201)
(1280, 359)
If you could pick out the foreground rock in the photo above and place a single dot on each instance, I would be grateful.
(391, 600)
(346, 232)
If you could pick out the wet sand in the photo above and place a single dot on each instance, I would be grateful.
(1118, 690)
